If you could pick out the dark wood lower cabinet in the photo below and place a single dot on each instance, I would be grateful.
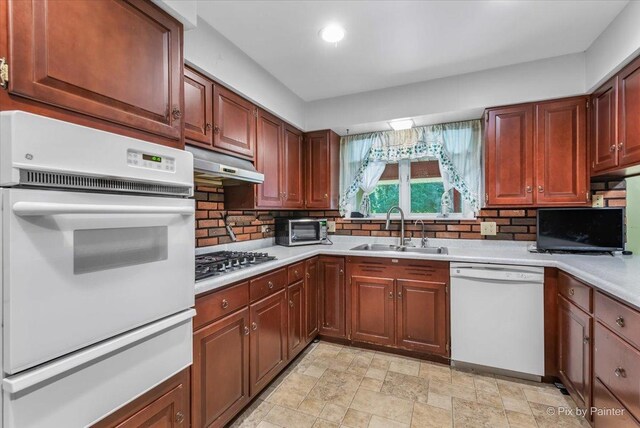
(297, 331)
(574, 350)
(220, 373)
(311, 294)
(268, 339)
(610, 413)
(332, 302)
(372, 310)
(165, 406)
(422, 316)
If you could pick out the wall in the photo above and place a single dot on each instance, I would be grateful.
(512, 224)
(211, 53)
(185, 11)
(617, 45)
(537, 80)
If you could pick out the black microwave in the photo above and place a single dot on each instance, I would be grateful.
(301, 231)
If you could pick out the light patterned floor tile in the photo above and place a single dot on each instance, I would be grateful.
(520, 420)
(356, 419)
(378, 422)
(333, 413)
(467, 414)
(383, 405)
(425, 416)
(311, 407)
(288, 418)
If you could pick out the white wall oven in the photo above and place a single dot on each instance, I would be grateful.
(97, 269)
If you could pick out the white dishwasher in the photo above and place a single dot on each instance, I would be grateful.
(497, 318)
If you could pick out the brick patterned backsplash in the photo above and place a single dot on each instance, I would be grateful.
(512, 224)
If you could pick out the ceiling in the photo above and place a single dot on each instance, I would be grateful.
(392, 43)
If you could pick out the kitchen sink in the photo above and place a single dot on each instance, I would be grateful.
(399, 249)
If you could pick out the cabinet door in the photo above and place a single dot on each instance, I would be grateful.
(561, 152)
(234, 123)
(293, 168)
(604, 128)
(509, 164)
(318, 175)
(423, 316)
(372, 310)
(268, 339)
(165, 406)
(198, 110)
(120, 61)
(574, 350)
(269, 160)
(311, 294)
(220, 371)
(297, 331)
(629, 114)
(332, 297)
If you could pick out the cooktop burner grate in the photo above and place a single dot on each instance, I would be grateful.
(221, 262)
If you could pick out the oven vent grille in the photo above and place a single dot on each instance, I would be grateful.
(72, 181)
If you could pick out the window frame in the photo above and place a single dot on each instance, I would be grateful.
(404, 201)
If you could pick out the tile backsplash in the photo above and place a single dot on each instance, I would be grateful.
(512, 224)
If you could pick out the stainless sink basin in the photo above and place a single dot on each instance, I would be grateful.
(399, 249)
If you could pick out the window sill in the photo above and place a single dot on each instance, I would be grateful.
(433, 217)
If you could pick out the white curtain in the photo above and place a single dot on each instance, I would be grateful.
(370, 179)
(354, 151)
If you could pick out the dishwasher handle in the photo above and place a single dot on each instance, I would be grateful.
(496, 274)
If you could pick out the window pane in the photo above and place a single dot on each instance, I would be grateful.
(427, 189)
(387, 191)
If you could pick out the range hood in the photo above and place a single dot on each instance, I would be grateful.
(216, 169)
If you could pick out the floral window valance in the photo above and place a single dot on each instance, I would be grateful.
(456, 147)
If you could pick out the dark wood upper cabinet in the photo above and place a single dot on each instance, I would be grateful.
(629, 114)
(332, 297)
(269, 161)
(292, 168)
(509, 156)
(311, 294)
(561, 156)
(198, 109)
(373, 309)
(220, 371)
(423, 316)
(268, 339)
(165, 406)
(574, 350)
(61, 57)
(234, 127)
(322, 169)
(296, 321)
(604, 129)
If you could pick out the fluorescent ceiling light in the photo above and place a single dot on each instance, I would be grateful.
(332, 33)
(399, 125)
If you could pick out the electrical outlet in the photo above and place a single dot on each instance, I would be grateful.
(597, 201)
(265, 228)
(331, 226)
(488, 228)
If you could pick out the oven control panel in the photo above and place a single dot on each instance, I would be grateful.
(150, 160)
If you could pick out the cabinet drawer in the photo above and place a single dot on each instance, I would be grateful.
(619, 318)
(617, 365)
(220, 303)
(575, 291)
(295, 272)
(266, 284)
(613, 414)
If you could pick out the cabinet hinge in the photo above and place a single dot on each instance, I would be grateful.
(255, 112)
(446, 289)
(486, 198)
(446, 347)
(587, 104)
(4, 73)
(588, 196)
(593, 164)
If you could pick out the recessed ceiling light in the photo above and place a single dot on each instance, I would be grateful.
(332, 33)
(399, 125)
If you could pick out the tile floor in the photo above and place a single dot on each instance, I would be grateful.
(338, 386)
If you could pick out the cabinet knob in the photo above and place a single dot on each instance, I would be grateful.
(572, 292)
(341, 271)
(620, 372)
(612, 148)
(620, 321)
(529, 189)
(326, 196)
(225, 303)
(179, 417)
(176, 113)
(296, 273)
(246, 330)
(391, 294)
(540, 189)
(585, 340)
(254, 326)
(216, 129)
(208, 126)
(270, 285)
(291, 303)
(399, 294)
(308, 275)
(620, 146)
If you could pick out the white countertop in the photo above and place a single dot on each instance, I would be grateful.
(618, 275)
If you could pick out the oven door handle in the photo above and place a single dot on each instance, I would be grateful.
(28, 209)
(47, 371)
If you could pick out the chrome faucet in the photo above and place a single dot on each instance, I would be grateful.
(423, 241)
(403, 241)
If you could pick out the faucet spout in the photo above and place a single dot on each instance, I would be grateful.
(388, 224)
